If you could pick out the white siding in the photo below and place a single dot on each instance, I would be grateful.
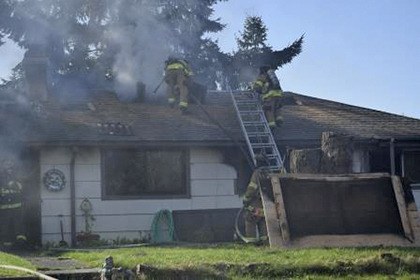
(212, 187)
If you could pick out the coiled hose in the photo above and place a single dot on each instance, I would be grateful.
(161, 218)
(256, 239)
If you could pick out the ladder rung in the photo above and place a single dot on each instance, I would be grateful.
(245, 96)
(270, 155)
(253, 123)
(266, 145)
(244, 93)
(255, 143)
(260, 137)
(258, 134)
(248, 102)
(248, 107)
(252, 119)
(255, 129)
(251, 112)
(263, 139)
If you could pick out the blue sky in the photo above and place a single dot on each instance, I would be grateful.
(360, 52)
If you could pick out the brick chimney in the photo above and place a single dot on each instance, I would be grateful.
(35, 65)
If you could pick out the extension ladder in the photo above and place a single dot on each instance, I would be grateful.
(255, 129)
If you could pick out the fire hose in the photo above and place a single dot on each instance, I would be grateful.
(239, 233)
(36, 273)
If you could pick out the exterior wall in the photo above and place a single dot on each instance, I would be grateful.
(212, 187)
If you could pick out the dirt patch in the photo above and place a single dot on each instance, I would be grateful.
(55, 263)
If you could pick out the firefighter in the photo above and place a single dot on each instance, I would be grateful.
(268, 86)
(254, 215)
(177, 77)
(11, 222)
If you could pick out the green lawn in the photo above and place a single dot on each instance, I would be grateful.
(249, 262)
(8, 259)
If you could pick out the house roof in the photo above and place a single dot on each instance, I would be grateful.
(103, 118)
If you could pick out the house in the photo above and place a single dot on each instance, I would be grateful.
(95, 163)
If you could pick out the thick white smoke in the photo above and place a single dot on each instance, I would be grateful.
(143, 48)
(140, 34)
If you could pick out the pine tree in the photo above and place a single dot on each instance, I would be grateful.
(254, 36)
(253, 52)
(86, 39)
(5, 18)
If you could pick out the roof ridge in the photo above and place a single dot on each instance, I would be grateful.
(341, 104)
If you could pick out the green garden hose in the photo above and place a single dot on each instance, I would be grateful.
(161, 218)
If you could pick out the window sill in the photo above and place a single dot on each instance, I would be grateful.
(146, 197)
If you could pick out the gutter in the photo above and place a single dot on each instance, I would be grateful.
(400, 140)
(73, 197)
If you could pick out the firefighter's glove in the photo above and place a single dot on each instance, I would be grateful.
(258, 212)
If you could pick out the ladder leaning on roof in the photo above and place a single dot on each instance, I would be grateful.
(255, 129)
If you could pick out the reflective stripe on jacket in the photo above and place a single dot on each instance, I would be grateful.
(11, 195)
(262, 86)
(272, 93)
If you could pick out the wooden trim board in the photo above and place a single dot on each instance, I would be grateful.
(402, 207)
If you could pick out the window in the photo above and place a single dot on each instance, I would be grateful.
(135, 173)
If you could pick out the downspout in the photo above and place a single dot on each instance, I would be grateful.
(73, 197)
(392, 155)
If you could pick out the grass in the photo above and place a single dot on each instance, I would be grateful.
(8, 259)
(249, 262)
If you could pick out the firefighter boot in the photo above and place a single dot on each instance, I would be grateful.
(183, 106)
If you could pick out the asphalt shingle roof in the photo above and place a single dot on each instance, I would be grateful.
(305, 118)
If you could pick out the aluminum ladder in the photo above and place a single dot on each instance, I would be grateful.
(255, 129)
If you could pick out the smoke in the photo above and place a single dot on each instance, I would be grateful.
(142, 48)
(143, 45)
(134, 37)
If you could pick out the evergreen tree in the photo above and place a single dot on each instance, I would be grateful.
(5, 18)
(88, 41)
(253, 52)
(254, 36)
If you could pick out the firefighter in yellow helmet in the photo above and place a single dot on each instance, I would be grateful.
(177, 77)
(268, 86)
(11, 214)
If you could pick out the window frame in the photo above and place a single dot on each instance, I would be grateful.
(186, 162)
